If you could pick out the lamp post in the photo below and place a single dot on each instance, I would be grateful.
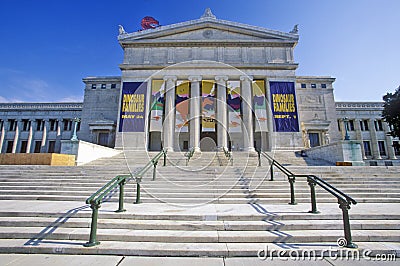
(346, 125)
(74, 136)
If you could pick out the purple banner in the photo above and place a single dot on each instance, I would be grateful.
(133, 107)
(284, 107)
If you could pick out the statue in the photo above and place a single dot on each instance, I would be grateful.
(208, 14)
(121, 30)
(295, 29)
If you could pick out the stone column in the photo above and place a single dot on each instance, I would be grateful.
(44, 135)
(30, 136)
(389, 142)
(3, 134)
(359, 136)
(269, 114)
(246, 93)
(342, 128)
(16, 137)
(374, 140)
(222, 115)
(169, 121)
(195, 112)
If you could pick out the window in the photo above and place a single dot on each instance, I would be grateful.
(350, 125)
(113, 86)
(39, 124)
(53, 124)
(303, 86)
(364, 125)
(378, 125)
(78, 126)
(24, 145)
(381, 146)
(67, 124)
(26, 124)
(338, 125)
(52, 145)
(1, 124)
(93, 86)
(10, 145)
(323, 86)
(313, 86)
(12, 124)
(38, 145)
(396, 147)
(103, 86)
(367, 148)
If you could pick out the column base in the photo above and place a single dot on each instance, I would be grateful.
(197, 149)
(169, 149)
(250, 149)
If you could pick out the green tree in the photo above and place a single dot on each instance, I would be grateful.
(391, 111)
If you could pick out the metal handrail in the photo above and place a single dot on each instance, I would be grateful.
(228, 155)
(97, 198)
(189, 155)
(344, 200)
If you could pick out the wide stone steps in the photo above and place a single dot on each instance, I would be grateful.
(215, 211)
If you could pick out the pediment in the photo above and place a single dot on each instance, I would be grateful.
(207, 30)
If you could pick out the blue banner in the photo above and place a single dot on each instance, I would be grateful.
(284, 107)
(133, 107)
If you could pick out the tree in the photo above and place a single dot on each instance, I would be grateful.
(391, 111)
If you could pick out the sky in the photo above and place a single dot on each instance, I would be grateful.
(48, 46)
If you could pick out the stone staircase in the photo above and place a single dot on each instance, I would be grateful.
(203, 209)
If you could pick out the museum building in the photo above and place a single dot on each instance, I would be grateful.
(204, 84)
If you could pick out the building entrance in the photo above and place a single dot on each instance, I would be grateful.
(208, 141)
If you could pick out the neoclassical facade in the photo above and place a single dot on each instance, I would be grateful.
(203, 84)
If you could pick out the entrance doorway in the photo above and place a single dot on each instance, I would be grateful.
(314, 139)
(208, 141)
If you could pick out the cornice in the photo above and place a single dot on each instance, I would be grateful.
(274, 66)
(42, 106)
(359, 105)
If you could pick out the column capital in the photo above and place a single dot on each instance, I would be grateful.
(195, 78)
(246, 78)
(172, 78)
(221, 78)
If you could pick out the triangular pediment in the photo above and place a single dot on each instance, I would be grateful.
(207, 30)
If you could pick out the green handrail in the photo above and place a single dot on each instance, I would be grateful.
(228, 155)
(189, 155)
(344, 200)
(96, 198)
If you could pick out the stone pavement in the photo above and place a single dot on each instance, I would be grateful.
(95, 260)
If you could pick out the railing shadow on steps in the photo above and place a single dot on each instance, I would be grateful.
(344, 200)
(97, 198)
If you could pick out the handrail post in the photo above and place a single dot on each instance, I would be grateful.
(259, 158)
(312, 184)
(165, 158)
(155, 170)
(292, 197)
(345, 206)
(137, 190)
(93, 226)
(271, 170)
(121, 196)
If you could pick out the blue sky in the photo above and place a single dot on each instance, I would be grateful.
(48, 46)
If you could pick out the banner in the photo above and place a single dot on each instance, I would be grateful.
(182, 106)
(208, 106)
(260, 106)
(284, 108)
(157, 105)
(133, 107)
(234, 105)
